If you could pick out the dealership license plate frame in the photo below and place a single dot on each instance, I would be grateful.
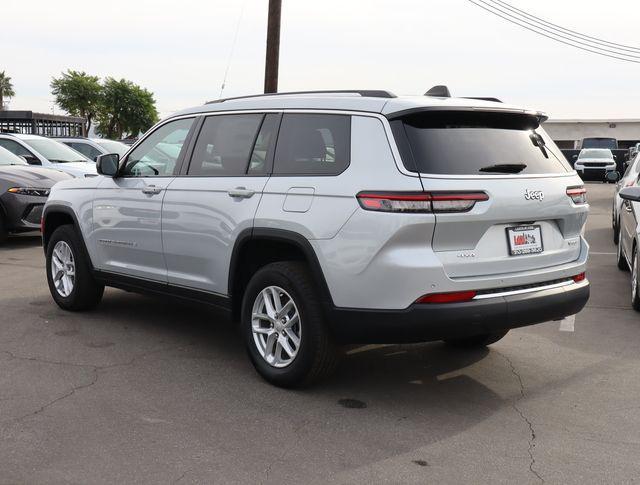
(536, 249)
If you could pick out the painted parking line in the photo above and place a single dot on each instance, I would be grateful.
(601, 254)
(567, 324)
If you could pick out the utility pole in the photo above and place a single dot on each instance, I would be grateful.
(273, 47)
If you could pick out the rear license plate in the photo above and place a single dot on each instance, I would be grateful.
(524, 240)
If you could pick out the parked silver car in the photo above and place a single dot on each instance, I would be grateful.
(628, 179)
(322, 218)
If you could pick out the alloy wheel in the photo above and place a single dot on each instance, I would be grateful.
(276, 326)
(63, 269)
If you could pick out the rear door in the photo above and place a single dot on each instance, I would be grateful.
(216, 197)
(528, 221)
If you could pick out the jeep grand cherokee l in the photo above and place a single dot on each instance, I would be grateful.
(318, 219)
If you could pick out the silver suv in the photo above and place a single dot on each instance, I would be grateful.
(318, 219)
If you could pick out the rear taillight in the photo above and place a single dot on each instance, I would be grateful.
(42, 225)
(580, 277)
(420, 202)
(454, 297)
(630, 183)
(578, 194)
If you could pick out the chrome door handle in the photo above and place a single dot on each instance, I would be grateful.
(241, 193)
(151, 190)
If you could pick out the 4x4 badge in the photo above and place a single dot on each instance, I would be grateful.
(533, 195)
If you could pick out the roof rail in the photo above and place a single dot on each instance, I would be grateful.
(440, 91)
(495, 100)
(371, 93)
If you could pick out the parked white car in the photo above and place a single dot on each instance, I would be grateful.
(595, 163)
(45, 152)
(92, 148)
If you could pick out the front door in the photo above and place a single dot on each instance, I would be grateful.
(127, 210)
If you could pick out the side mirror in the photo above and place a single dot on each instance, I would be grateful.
(31, 160)
(107, 165)
(630, 193)
(612, 176)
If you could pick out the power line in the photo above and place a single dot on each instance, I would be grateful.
(577, 44)
(554, 32)
(559, 27)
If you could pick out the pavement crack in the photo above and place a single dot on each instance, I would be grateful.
(516, 408)
(73, 390)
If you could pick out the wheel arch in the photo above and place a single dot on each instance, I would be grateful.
(55, 216)
(257, 247)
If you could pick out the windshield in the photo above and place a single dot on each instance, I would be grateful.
(596, 154)
(54, 151)
(8, 158)
(113, 146)
(476, 143)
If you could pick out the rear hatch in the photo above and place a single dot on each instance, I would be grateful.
(534, 209)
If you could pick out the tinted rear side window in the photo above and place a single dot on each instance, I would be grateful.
(224, 145)
(313, 144)
(476, 143)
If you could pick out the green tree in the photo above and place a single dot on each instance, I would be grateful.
(126, 109)
(6, 88)
(79, 94)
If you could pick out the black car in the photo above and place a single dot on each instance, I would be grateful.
(23, 192)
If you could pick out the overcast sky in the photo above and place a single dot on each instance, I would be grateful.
(179, 50)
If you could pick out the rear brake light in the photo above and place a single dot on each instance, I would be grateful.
(580, 277)
(631, 183)
(42, 224)
(578, 194)
(420, 202)
(455, 297)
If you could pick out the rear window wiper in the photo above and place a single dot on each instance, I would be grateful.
(504, 168)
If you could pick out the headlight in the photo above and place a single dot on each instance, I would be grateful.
(33, 191)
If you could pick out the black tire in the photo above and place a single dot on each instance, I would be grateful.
(621, 261)
(86, 293)
(477, 341)
(4, 234)
(616, 233)
(317, 355)
(635, 281)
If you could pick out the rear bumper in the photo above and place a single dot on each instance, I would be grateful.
(428, 322)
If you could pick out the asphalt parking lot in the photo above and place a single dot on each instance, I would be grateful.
(144, 390)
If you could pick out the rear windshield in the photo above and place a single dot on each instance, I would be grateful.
(476, 143)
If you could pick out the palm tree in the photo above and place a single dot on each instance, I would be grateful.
(6, 89)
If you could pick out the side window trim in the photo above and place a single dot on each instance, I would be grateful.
(179, 162)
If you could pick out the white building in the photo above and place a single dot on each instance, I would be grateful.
(568, 133)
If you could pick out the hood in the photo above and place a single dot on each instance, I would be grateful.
(77, 169)
(29, 176)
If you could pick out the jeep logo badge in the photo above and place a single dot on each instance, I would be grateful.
(533, 195)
